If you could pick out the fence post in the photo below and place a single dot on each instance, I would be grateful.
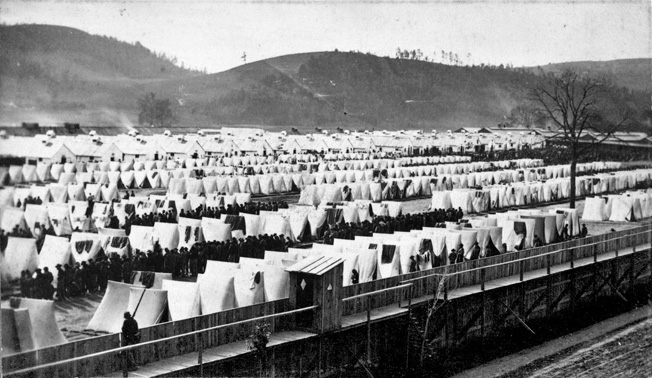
(125, 364)
(74, 364)
(482, 278)
(572, 258)
(595, 253)
(200, 357)
(368, 331)
(548, 264)
(521, 267)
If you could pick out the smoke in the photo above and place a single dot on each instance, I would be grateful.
(503, 99)
(111, 117)
(85, 117)
(16, 116)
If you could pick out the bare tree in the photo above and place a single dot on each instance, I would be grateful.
(432, 310)
(576, 104)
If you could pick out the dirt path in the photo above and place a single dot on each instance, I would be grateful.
(617, 347)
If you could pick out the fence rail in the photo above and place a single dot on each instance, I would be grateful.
(193, 335)
(72, 363)
(567, 256)
(476, 272)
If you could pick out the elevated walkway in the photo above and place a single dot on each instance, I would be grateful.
(535, 274)
(177, 365)
(393, 299)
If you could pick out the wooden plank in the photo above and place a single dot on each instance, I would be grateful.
(19, 361)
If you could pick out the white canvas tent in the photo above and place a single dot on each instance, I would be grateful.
(11, 217)
(36, 215)
(215, 230)
(595, 210)
(141, 238)
(183, 299)
(55, 250)
(45, 330)
(249, 286)
(20, 254)
(167, 235)
(189, 232)
(59, 215)
(84, 246)
(217, 292)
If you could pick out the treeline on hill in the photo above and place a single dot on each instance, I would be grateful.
(341, 88)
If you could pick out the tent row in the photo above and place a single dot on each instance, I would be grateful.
(141, 171)
(61, 194)
(221, 287)
(43, 171)
(626, 207)
(22, 254)
(327, 191)
(386, 255)
(504, 196)
(64, 218)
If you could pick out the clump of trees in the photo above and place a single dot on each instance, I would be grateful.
(154, 112)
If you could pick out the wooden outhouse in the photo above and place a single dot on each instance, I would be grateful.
(317, 281)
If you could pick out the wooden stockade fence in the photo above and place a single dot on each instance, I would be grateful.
(62, 352)
(182, 345)
(206, 331)
(469, 273)
(86, 366)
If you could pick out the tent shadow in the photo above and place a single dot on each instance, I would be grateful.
(60, 305)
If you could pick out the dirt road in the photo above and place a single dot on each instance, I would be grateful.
(617, 347)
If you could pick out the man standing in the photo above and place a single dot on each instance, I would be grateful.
(48, 289)
(564, 233)
(475, 251)
(130, 336)
(61, 283)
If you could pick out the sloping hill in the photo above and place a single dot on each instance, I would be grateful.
(631, 73)
(64, 74)
(352, 89)
(52, 74)
(330, 89)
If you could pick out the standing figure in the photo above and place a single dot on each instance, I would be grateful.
(130, 336)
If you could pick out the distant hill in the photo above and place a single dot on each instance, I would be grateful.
(332, 89)
(52, 74)
(631, 73)
(59, 74)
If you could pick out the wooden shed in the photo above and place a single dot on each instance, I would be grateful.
(317, 281)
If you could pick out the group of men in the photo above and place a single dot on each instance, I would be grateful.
(188, 262)
(37, 285)
(29, 200)
(388, 225)
(235, 209)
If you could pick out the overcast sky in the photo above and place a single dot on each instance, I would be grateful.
(214, 34)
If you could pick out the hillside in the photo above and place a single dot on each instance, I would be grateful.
(63, 74)
(631, 73)
(53, 74)
(333, 89)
